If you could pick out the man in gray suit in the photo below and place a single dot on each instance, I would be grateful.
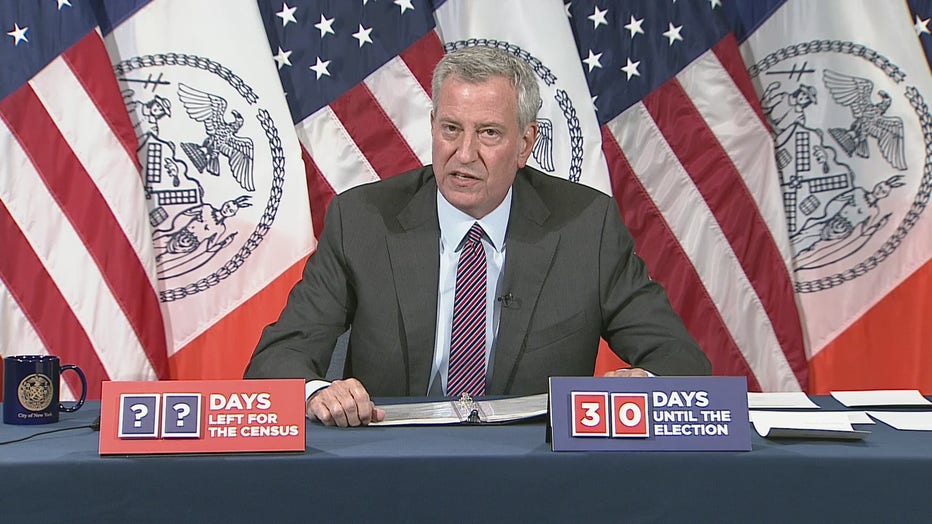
(558, 268)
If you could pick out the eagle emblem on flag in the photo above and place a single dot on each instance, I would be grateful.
(196, 124)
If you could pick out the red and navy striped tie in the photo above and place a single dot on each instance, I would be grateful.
(467, 340)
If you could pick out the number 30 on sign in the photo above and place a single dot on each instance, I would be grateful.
(625, 416)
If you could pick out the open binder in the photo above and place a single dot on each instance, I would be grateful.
(465, 411)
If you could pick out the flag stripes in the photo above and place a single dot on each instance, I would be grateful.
(41, 303)
(753, 189)
(735, 212)
(686, 212)
(404, 112)
(422, 56)
(96, 78)
(71, 206)
(373, 132)
(670, 264)
(319, 191)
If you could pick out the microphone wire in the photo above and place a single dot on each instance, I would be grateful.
(94, 426)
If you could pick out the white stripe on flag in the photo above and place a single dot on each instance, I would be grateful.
(334, 151)
(406, 104)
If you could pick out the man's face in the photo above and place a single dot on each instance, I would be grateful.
(477, 145)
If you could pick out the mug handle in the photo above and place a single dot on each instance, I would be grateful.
(77, 405)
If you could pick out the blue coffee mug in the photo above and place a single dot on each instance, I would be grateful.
(31, 389)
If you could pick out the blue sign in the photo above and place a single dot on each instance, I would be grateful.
(649, 414)
(139, 416)
(182, 415)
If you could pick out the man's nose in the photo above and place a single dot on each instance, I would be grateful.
(468, 148)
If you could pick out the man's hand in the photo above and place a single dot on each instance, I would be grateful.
(627, 372)
(344, 403)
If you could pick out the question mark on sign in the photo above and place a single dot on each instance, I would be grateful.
(140, 411)
(183, 411)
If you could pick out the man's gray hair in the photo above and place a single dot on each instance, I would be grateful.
(480, 63)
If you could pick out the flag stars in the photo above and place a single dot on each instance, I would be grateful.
(634, 26)
(363, 35)
(715, 3)
(566, 7)
(593, 61)
(19, 34)
(673, 33)
(283, 58)
(921, 26)
(321, 68)
(287, 14)
(63, 3)
(598, 17)
(404, 5)
(631, 69)
(325, 25)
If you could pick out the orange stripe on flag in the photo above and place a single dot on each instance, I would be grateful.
(222, 351)
(871, 355)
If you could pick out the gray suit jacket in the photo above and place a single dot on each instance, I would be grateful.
(570, 268)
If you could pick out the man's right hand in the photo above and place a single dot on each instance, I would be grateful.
(344, 403)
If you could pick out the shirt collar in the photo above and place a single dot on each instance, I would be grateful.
(454, 224)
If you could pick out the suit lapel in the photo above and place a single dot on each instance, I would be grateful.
(415, 263)
(530, 249)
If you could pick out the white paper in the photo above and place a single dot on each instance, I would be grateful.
(833, 434)
(516, 408)
(764, 421)
(859, 417)
(782, 400)
(448, 412)
(909, 421)
(881, 397)
(429, 413)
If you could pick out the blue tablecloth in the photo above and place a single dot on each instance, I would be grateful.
(468, 474)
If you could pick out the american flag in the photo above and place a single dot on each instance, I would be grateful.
(692, 169)
(76, 259)
(688, 155)
(357, 78)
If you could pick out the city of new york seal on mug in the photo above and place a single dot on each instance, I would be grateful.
(35, 392)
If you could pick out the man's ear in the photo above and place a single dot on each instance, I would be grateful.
(527, 143)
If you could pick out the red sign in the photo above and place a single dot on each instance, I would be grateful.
(630, 415)
(202, 416)
(590, 414)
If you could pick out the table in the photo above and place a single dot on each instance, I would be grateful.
(466, 474)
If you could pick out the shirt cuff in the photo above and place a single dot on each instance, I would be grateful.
(313, 386)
